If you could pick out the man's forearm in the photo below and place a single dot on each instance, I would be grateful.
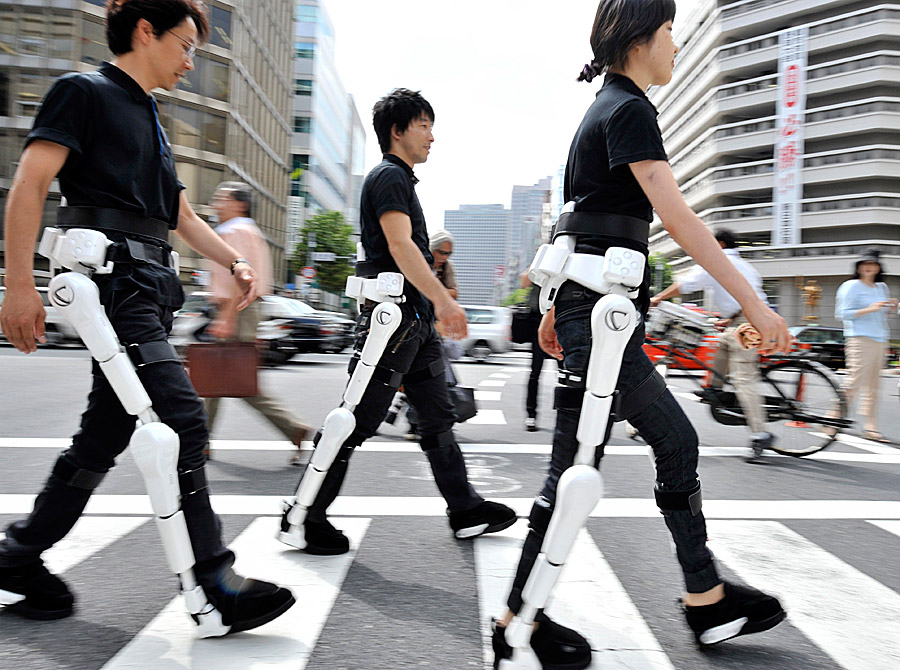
(412, 264)
(673, 290)
(201, 238)
(24, 210)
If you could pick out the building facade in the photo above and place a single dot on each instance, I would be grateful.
(480, 238)
(524, 235)
(227, 120)
(719, 119)
(328, 140)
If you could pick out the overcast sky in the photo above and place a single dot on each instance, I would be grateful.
(500, 75)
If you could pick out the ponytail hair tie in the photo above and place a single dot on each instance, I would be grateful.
(589, 71)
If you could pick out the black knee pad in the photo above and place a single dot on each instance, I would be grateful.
(79, 478)
(192, 481)
(539, 517)
(445, 439)
(148, 353)
(676, 501)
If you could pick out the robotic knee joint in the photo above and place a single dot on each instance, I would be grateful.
(71, 475)
(678, 501)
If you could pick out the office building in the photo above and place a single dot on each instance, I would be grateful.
(227, 120)
(480, 234)
(835, 189)
(328, 140)
(524, 236)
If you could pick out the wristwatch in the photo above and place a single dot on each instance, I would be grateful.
(239, 260)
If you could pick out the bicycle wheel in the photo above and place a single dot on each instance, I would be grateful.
(804, 405)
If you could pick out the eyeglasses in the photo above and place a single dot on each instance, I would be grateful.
(441, 252)
(190, 50)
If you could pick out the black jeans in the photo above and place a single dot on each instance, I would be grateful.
(662, 424)
(414, 349)
(105, 432)
(537, 363)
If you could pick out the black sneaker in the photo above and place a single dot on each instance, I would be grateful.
(246, 603)
(323, 539)
(488, 517)
(35, 593)
(742, 611)
(556, 647)
(707, 394)
(759, 443)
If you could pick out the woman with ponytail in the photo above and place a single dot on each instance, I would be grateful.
(618, 174)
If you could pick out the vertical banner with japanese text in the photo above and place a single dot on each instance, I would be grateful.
(791, 114)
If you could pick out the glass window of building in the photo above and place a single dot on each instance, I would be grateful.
(302, 124)
(305, 49)
(28, 92)
(220, 24)
(8, 43)
(303, 87)
(99, 3)
(214, 133)
(186, 126)
(306, 13)
(93, 43)
(62, 32)
(33, 33)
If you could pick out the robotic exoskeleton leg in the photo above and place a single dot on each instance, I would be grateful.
(386, 290)
(613, 320)
(154, 445)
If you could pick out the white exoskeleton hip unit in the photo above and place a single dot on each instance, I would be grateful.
(387, 291)
(616, 276)
(154, 445)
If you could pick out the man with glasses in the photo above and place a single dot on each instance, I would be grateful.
(99, 133)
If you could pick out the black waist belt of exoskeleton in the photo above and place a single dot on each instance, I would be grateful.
(593, 224)
(369, 270)
(107, 219)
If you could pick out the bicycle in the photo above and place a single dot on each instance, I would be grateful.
(804, 404)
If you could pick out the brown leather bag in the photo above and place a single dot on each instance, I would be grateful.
(226, 370)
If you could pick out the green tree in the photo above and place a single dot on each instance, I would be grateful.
(332, 235)
(661, 276)
(520, 295)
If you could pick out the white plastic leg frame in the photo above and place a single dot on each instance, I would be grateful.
(154, 445)
(386, 290)
(613, 320)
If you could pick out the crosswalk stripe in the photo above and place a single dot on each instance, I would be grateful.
(89, 536)
(850, 616)
(494, 417)
(487, 396)
(408, 506)
(889, 526)
(286, 642)
(589, 598)
(499, 375)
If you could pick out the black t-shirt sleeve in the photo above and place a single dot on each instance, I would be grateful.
(63, 117)
(391, 191)
(632, 135)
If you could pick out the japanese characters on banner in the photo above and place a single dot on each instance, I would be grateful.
(791, 114)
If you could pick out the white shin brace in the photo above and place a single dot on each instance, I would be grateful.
(154, 445)
(387, 291)
(613, 320)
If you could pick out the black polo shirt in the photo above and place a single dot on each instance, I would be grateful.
(119, 158)
(619, 128)
(390, 187)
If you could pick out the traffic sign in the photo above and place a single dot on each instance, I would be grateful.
(308, 272)
(323, 256)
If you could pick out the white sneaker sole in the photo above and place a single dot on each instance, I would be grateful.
(10, 598)
(472, 531)
(724, 632)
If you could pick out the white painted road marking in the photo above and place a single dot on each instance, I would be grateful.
(488, 395)
(850, 616)
(493, 417)
(492, 382)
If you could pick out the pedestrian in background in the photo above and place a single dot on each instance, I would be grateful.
(538, 355)
(863, 304)
(233, 204)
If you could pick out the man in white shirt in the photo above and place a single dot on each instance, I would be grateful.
(741, 366)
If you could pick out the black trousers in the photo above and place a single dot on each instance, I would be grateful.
(537, 363)
(416, 353)
(105, 432)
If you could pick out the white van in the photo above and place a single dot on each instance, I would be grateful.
(489, 331)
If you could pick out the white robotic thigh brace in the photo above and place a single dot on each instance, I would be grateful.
(613, 320)
(153, 444)
(387, 291)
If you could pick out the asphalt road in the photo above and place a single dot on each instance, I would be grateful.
(822, 532)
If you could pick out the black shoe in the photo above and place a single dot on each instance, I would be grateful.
(759, 443)
(742, 611)
(488, 517)
(35, 593)
(557, 647)
(246, 603)
(323, 539)
(531, 424)
(707, 394)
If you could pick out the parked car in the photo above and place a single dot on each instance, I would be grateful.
(58, 330)
(348, 327)
(310, 331)
(823, 343)
(489, 331)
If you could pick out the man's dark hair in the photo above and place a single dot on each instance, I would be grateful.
(727, 237)
(620, 25)
(122, 17)
(239, 191)
(398, 109)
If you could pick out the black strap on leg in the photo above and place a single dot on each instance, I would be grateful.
(382, 375)
(74, 476)
(676, 501)
(641, 396)
(444, 439)
(192, 481)
(539, 518)
(430, 371)
(147, 353)
(570, 389)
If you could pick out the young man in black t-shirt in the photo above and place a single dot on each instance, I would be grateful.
(99, 133)
(395, 240)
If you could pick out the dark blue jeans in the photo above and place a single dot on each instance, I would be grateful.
(105, 432)
(662, 424)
